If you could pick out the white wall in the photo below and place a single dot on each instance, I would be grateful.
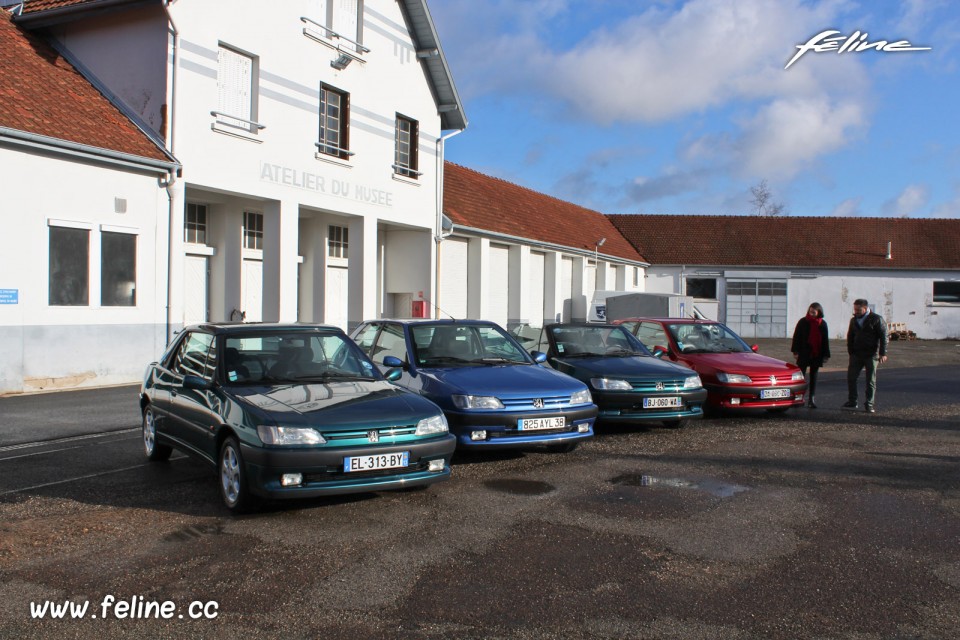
(44, 347)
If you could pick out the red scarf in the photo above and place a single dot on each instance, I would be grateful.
(814, 339)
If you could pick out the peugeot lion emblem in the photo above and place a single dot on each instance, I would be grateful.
(373, 436)
(773, 379)
(659, 386)
(538, 403)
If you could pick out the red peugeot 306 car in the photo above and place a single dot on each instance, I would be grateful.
(735, 375)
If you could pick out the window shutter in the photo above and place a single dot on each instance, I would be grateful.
(347, 20)
(234, 82)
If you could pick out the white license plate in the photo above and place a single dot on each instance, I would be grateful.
(533, 424)
(662, 403)
(772, 394)
(373, 463)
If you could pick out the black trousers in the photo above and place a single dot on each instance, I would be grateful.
(811, 379)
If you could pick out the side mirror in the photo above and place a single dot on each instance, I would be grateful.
(196, 383)
(394, 361)
(539, 356)
(393, 375)
(659, 351)
(755, 348)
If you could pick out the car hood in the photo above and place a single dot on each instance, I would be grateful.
(347, 404)
(746, 363)
(500, 380)
(625, 368)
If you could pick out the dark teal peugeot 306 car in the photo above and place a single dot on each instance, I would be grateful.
(289, 411)
(628, 383)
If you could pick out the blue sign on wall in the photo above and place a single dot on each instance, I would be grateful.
(9, 296)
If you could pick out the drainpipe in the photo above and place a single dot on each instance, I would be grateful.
(171, 179)
(439, 237)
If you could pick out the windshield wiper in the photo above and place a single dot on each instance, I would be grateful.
(581, 354)
(494, 361)
(440, 359)
(331, 375)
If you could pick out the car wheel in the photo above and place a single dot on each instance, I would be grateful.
(233, 477)
(153, 450)
(566, 447)
(674, 424)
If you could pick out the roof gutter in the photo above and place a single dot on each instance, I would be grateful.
(87, 152)
(47, 17)
(547, 245)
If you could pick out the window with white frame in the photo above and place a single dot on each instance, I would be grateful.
(236, 86)
(195, 223)
(118, 269)
(252, 230)
(334, 122)
(405, 158)
(337, 242)
(69, 267)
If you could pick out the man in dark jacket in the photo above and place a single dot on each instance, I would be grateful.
(867, 346)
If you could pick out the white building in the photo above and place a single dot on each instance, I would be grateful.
(310, 136)
(758, 275)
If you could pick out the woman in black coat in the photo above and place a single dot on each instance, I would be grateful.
(811, 347)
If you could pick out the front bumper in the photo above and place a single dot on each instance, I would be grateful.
(323, 473)
(627, 406)
(502, 431)
(749, 397)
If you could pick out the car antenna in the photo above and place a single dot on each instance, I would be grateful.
(430, 302)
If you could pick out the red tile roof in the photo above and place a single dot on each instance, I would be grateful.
(33, 6)
(472, 199)
(806, 242)
(42, 93)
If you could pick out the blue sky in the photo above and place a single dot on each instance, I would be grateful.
(626, 106)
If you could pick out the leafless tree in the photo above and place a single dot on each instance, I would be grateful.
(763, 201)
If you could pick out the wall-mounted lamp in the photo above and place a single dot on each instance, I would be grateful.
(596, 250)
(341, 62)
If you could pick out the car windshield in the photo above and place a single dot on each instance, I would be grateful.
(706, 338)
(465, 345)
(290, 357)
(587, 341)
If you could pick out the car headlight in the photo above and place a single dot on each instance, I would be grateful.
(289, 436)
(737, 378)
(693, 382)
(431, 425)
(610, 384)
(476, 402)
(797, 376)
(581, 397)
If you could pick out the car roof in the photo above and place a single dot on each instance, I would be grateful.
(672, 320)
(228, 328)
(435, 321)
(598, 325)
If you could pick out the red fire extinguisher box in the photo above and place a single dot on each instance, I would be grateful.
(419, 309)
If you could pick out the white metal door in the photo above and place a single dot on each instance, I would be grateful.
(498, 291)
(194, 289)
(336, 298)
(566, 288)
(453, 278)
(535, 289)
(252, 290)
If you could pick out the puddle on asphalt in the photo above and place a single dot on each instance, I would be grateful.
(519, 487)
(713, 487)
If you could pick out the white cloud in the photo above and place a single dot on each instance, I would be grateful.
(949, 209)
(849, 208)
(911, 199)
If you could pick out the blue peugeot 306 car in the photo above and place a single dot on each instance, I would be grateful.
(289, 411)
(494, 393)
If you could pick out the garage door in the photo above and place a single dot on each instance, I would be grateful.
(453, 278)
(757, 308)
(535, 289)
(498, 289)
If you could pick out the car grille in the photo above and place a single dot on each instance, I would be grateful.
(783, 378)
(385, 435)
(514, 433)
(523, 404)
(650, 386)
